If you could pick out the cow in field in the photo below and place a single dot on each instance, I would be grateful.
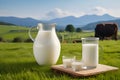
(104, 30)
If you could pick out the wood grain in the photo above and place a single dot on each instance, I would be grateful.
(85, 72)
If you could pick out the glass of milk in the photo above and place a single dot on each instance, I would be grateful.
(77, 65)
(67, 61)
(90, 52)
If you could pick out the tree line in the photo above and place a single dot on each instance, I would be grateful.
(15, 39)
(71, 28)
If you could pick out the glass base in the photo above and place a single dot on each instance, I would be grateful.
(89, 67)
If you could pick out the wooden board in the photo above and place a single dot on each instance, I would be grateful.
(88, 72)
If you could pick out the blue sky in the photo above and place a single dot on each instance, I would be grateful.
(49, 9)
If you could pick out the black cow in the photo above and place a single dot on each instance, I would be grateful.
(106, 30)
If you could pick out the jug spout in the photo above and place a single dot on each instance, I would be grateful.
(46, 26)
(40, 26)
(53, 26)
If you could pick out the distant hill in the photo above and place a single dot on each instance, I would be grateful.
(91, 26)
(20, 21)
(61, 22)
(83, 20)
(5, 23)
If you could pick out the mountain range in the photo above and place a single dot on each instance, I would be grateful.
(20, 21)
(91, 26)
(82, 21)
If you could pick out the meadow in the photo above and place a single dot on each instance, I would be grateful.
(9, 32)
(17, 60)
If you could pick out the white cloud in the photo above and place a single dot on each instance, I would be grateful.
(99, 10)
(59, 13)
(114, 12)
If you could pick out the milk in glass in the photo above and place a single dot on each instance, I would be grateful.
(67, 61)
(90, 52)
(77, 66)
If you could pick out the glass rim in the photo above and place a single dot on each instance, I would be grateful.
(90, 38)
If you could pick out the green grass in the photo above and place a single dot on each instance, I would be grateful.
(7, 32)
(17, 62)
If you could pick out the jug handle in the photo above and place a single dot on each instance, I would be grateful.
(29, 33)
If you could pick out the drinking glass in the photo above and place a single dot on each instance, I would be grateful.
(77, 65)
(67, 61)
(90, 52)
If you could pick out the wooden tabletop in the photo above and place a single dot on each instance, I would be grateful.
(85, 72)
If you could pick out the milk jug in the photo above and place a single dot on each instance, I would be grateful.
(46, 47)
(90, 52)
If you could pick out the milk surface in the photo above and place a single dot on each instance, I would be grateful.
(67, 63)
(77, 66)
(90, 55)
(46, 48)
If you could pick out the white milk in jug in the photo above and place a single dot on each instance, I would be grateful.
(45, 49)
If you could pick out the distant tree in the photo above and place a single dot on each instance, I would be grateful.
(28, 40)
(78, 29)
(5, 23)
(1, 39)
(17, 39)
(61, 30)
(70, 28)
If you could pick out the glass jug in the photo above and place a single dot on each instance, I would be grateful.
(46, 47)
(90, 52)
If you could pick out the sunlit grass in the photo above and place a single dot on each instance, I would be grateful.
(17, 62)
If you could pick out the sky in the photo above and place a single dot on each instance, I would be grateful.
(50, 9)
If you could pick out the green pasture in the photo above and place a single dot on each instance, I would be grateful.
(8, 33)
(17, 62)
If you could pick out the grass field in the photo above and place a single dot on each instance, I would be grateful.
(17, 62)
(8, 33)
